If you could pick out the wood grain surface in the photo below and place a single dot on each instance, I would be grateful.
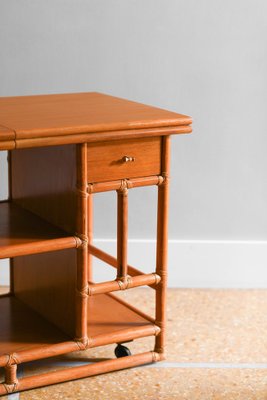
(46, 283)
(107, 315)
(22, 328)
(106, 160)
(22, 232)
(63, 148)
(32, 118)
(43, 180)
(7, 138)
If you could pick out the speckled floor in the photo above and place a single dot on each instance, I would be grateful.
(216, 349)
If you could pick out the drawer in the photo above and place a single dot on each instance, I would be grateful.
(131, 158)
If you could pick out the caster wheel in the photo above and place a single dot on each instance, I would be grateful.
(122, 351)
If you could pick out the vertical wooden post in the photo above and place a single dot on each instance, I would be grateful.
(9, 164)
(11, 375)
(11, 264)
(82, 251)
(162, 245)
(90, 236)
(122, 232)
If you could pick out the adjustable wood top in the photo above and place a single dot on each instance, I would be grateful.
(30, 121)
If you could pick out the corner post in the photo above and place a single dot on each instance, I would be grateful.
(82, 251)
(122, 232)
(162, 245)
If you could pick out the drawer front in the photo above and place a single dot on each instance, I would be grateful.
(124, 159)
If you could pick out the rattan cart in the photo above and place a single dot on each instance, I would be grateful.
(62, 151)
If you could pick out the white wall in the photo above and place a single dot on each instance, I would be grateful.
(204, 58)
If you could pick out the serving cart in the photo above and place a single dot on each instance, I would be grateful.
(62, 151)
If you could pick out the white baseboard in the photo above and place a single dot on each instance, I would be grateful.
(193, 264)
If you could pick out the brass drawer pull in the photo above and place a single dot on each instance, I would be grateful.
(128, 159)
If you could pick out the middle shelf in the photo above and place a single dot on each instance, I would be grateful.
(22, 233)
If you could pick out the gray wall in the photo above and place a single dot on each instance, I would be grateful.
(204, 58)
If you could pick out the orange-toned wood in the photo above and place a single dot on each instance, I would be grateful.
(135, 309)
(82, 252)
(129, 183)
(122, 233)
(7, 138)
(96, 137)
(6, 133)
(64, 375)
(26, 336)
(11, 279)
(11, 374)
(162, 246)
(24, 329)
(7, 145)
(46, 283)
(63, 143)
(22, 232)
(107, 315)
(90, 237)
(44, 182)
(39, 352)
(124, 335)
(108, 160)
(129, 282)
(65, 114)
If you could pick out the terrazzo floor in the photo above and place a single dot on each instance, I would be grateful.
(216, 349)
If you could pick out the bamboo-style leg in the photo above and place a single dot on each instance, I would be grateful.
(162, 246)
(122, 233)
(82, 251)
(90, 236)
(11, 374)
(11, 264)
(11, 380)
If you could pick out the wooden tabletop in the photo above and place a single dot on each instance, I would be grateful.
(28, 121)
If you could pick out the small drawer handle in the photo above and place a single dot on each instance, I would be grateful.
(128, 159)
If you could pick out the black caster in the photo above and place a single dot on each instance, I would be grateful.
(122, 351)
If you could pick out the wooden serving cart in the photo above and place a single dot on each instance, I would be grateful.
(62, 150)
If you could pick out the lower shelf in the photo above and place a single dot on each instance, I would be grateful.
(110, 321)
(23, 329)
